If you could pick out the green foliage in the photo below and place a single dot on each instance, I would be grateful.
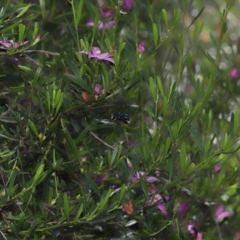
(70, 171)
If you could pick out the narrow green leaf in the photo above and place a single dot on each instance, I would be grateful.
(66, 205)
(104, 201)
(236, 123)
(35, 33)
(79, 212)
(167, 145)
(183, 158)
(93, 185)
(27, 69)
(78, 80)
(11, 182)
(4, 135)
(155, 35)
(115, 154)
(105, 78)
(164, 13)
(7, 119)
(144, 186)
(33, 226)
(42, 4)
(170, 167)
(33, 127)
(197, 138)
(21, 32)
(121, 194)
(152, 86)
(38, 174)
(23, 10)
(195, 18)
(79, 12)
(70, 141)
(160, 86)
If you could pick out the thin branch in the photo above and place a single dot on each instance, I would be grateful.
(47, 53)
(100, 140)
(43, 52)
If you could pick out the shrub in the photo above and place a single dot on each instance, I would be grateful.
(118, 119)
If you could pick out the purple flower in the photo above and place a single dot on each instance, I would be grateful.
(220, 213)
(162, 208)
(96, 53)
(100, 178)
(141, 46)
(99, 2)
(199, 236)
(107, 11)
(97, 89)
(129, 164)
(217, 169)
(102, 25)
(192, 229)
(234, 73)
(149, 179)
(151, 188)
(9, 44)
(157, 198)
(182, 209)
(154, 199)
(127, 5)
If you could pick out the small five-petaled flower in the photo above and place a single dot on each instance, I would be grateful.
(96, 53)
(12, 44)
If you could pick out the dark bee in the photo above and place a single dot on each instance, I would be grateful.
(122, 117)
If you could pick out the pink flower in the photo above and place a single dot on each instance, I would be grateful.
(38, 38)
(162, 208)
(129, 164)
(217, 169)
(157, 199)
(237, 236)
(234, 73)
(220, 213)
(192, 229)
(97, 89)
(107, 11)
(96, 53)
(100, 178)
(9, 44)
(141, 46)
(199, 236)
(151, 188)
(102, 25)
(127, 5)
(182, 209)
(149, 179)
(154, 199)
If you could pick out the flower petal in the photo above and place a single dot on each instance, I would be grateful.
(162, 208)
(152, 179)
(127, 4)
(96, 51)
(84, 52)
(199, 236)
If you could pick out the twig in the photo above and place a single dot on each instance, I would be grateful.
(100, 140)
(47, 53)
(4, 237)
(42, 51)
(218, 229)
